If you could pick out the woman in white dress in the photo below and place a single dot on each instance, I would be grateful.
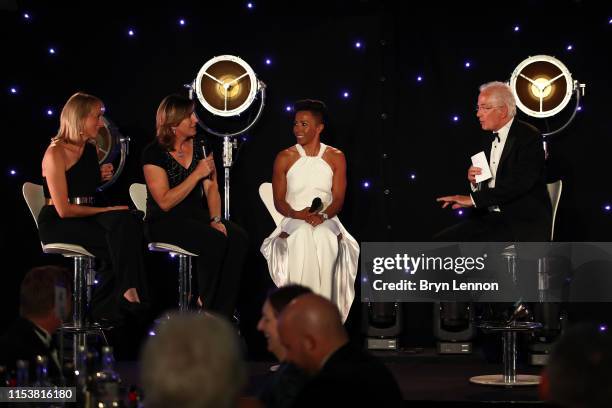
(312, 248)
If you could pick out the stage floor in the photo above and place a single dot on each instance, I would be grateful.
(425, 379)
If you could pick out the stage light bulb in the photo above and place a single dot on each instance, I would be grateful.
(250, 5)
(345, 94)
(419, 78)
(579, 108)
(357, 44)
(460, 213)
(288, 108)
(569, 47)
(26, 16)
(49, 112)
(13, 172)
(232, 91)
(456, 118)
(131, 32)
(13, 90)
(468, 64)
(412, 176)
(366, 184)
(51, 50)
(607, 207)
(516, 29)
(603, 327)
(268, 61)
(182, 22)
(541, 89)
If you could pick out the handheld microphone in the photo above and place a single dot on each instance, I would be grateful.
(203, 146)
(203, 149)
(316, 205)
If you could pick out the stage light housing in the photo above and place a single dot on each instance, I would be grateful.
(542, 86)
(226, 86)
(111, 144)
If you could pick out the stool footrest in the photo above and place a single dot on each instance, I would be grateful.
(497, 380)
(90, 328)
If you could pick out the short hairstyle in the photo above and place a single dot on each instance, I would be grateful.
(72, 118)
(280, 298)
(170, 113)
(194, 360)
(317, 108)
(37, 291)
(501, 92)
(580, 367)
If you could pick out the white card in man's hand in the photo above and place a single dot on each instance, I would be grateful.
(480, 160)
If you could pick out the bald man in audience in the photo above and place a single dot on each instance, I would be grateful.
(311, 330)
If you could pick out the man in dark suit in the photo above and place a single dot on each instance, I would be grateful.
(513, 205)
(311, 330)
(31, 334)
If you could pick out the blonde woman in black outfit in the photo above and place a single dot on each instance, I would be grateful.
(184, 205)
(71, 175)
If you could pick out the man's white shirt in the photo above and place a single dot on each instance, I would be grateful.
(497, 147)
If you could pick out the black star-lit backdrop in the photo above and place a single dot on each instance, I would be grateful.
(400, 83)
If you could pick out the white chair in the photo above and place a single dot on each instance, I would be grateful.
(84, 273)
(554, 191)
(509, 331)
(266, 195)
(138, 194)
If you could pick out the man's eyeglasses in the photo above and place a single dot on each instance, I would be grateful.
(487, 108)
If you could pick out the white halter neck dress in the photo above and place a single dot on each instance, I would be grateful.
(313, 256)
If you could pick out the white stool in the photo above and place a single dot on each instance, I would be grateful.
(138, 194)
(84, 274)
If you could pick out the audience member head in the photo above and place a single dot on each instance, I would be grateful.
(272, 308)
(80, 120)
(579, 370)
(37, 296)
(194, 360)
(496, 105)
(310, 120)
(310, 329)
(173, 111)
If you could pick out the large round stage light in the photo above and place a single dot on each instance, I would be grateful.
(543, 87)
(226, 85)
(112, 148)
